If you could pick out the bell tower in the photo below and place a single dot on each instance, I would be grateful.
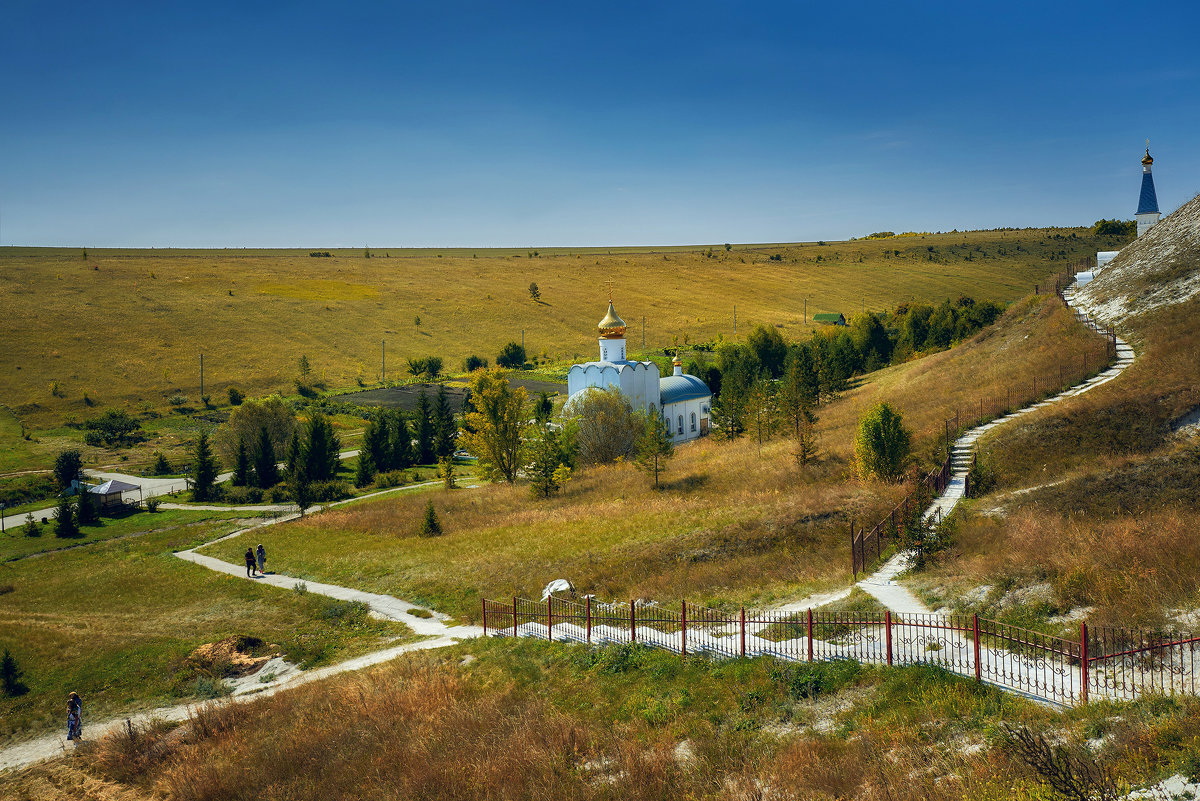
(1147, 211)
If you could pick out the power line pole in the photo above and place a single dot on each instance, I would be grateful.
(643, 332)
(201, 376)
(735, 319)
(383, 367)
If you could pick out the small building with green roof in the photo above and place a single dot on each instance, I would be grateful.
(829, 318)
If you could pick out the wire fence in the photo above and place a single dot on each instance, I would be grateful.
(1108, 663)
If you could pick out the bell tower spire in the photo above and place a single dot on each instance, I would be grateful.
(1147, 211)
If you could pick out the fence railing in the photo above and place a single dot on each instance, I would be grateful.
(1107, 663)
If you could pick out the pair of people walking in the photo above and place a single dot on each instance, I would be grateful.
(256, 559)
(74, 717)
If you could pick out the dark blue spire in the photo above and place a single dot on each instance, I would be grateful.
(1148, 203)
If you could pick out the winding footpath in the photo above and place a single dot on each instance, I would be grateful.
(439, 631)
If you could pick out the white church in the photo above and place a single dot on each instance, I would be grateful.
(684, 401)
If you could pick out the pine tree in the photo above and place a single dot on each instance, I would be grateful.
(546, 470)
(655, 446)
(322, 455)
(241, 468)
(430, 526)
(30, 528)
(364, 472)
(424, 423)
(10, 676)
(445, 429)
(266, 472)
(374, 445)
(87, 513)
(543, 407)
(295, 454)
(301, 486)
(64, 522)
(204, 469)
(400, 454)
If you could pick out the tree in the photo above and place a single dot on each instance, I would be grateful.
(493, 430)
(64, 520)
(882, 444)
(10, 676)
(67, 466)
(161, 466)
(769, 347)
(322, 450)
(114, 427)
(445, 472)
(871, 340)
(364, 472)
(473, 363)
(87, 511)
(30, 528)
(424, 421)
(301, 487)
(204, 469)
(401, 450)
(806, 439)
(512, 356)
(374, 446)
(547, 471)
(266, 471)
(534, 292)
(295, 454)
(242, 475)
(543, 407)
(607, 428)
(246, 423)
(305, 367)
(445, 429)
(654, 445)
(430, 526)
(1114, 228)
(799, 387)
(761, 411)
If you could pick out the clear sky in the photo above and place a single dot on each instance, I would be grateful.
(307, 124)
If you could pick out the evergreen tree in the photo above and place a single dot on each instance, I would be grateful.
(445, 429)
(401, 444)
(374, 445)
(882, 444)
(31, 527)
(424, 423)
(364, 472)
(806, 439)
(10, 676)
(295, 454)
(301, 486)
(445, 472)
(430, 526)
(543, 407)
(67, 465)
(798, 388)
(654, 445)
(266, 471)
(241, 468)
(204, 470)
(322, 452)
(546, 470)
(64, 521)
(87, 512)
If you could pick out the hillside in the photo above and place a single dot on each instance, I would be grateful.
(127, 327)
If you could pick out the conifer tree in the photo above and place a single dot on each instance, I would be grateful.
(401, 452)
(445, 429)
(364, 472)
(241, 468)
(322, 455)
(266, 472)
(295, 454)
(204, 469)
(374, 446)
(547, 472)
(654, 446)
(64, 521)
(430, 526)
(424, 421)
(10, 676)
(86, 511)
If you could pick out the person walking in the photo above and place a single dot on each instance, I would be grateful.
(261, 553)
(249, 563)
(74, 717)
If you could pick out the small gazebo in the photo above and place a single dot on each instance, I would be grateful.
(110, 492)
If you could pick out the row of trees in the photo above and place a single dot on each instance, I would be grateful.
(389, 443)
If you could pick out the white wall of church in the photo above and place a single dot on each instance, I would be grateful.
(637, 381)
(612, 350)
(688, 419)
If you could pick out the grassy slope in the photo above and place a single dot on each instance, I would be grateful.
(114, 621)
(533, 721)
(130, 332)
(731, 527)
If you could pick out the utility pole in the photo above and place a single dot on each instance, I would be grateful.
(201, 376)
(383, 368)
(643, 332)
(522, 340)
(735, 319)
(806, 311)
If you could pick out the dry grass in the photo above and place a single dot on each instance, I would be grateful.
(127, 326)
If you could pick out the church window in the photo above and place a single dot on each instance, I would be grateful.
(681, 424)
(693, 421)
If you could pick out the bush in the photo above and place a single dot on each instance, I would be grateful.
(473, 363)
(306, 390)
(243, 495)
(325, 491)
(392, 478)
(31, 528)
(161, 466)
(511, 356)
(178, 399)
(152, 504)
(430, 526)
(882, 444)
(236, 396)
(278, 494)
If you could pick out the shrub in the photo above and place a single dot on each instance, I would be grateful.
(278, 494)
(882, 444)
(178, 399)
(152, 504)
(207, 401)
(325, 491)
(511, 356)
(236, 396)
(10, 676)
(114, 427)
(306, 390)
(243, 495)
(392, 478)
(430, 526)
(473, 363)
(161, 466)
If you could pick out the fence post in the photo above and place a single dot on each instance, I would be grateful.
(743, 630)
(514, 617)
(1010, 408)
(810, 635)
(888, 619)
(632, 621)
(589, 619)
(853, 553)
(981, 410)
(550, 619)
(1083, 662)
(978, 650)
(484, 602)
(683, 628)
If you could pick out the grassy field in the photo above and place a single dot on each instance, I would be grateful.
(127, 327)
(534, 721)
(115, 621)
(733, 525)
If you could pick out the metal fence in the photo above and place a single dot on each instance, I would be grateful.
(1107, 663)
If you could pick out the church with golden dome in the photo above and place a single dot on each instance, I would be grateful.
(683, 400)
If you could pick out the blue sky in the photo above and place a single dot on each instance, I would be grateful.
(515, 124)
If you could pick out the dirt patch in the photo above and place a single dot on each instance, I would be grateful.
(406, 397)
(234, 656)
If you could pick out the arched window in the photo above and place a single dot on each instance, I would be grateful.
(693, 421)
(681, 424)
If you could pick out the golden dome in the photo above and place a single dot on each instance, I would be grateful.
(1147, 160)
(678, 362)
(612, 326)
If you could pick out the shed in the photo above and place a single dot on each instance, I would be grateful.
(110, 492)
(829, 318)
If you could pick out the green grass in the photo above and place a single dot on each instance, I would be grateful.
(115, 621)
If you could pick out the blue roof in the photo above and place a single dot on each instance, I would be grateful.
(1148, 203)
(675, 388)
